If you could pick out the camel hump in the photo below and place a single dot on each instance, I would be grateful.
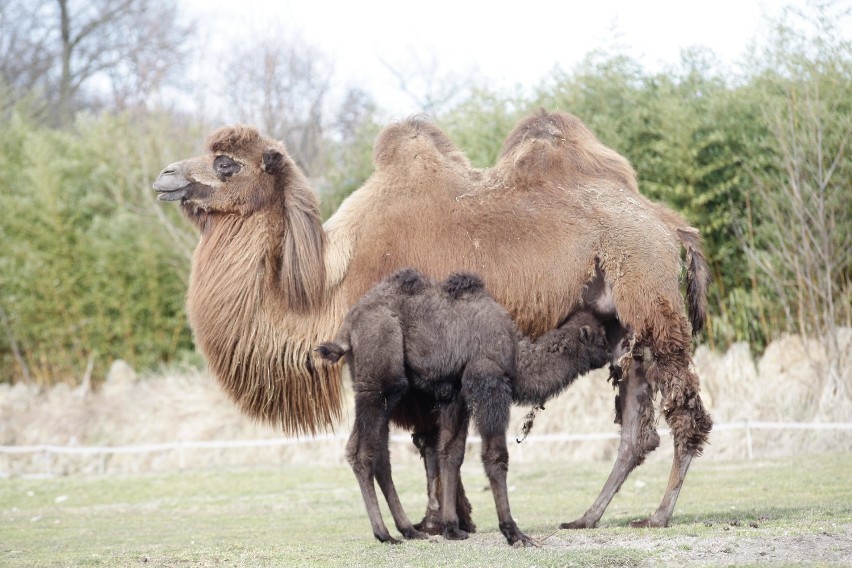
(400, 143)
(460, 283)
(558, 146)
(409, 281)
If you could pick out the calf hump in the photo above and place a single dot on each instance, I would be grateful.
(409, 281)
(460, 283)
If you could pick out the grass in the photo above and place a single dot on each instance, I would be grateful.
(801, 509)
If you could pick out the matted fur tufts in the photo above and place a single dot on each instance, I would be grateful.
(233, 139)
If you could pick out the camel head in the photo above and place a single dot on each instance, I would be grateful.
(240, 174)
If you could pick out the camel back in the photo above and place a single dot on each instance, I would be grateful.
(532, 226)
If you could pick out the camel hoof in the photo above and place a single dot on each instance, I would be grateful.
(578, 524)
(388, 539)
(649, 523)
(455, 534)
(431, 526)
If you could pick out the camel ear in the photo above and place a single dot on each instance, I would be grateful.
(273, 161)
(585, 333)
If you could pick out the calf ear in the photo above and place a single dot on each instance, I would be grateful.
(585, 333)
(273, 161)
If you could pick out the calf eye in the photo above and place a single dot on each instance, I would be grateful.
(225, 166)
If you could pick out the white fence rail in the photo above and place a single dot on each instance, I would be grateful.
(181, 446)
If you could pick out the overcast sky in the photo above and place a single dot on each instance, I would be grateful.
(509, 43)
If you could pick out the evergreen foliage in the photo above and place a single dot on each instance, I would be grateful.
(93, 268)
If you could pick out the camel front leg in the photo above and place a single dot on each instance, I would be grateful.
(638, 437)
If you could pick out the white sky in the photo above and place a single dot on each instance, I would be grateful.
(509, 43)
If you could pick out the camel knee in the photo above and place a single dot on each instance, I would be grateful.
(690, 425)
(495, 457)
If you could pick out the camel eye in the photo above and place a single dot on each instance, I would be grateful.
(225, 166)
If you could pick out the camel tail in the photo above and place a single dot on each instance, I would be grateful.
(697, 277)
(331, 351)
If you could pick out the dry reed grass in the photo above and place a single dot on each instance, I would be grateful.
(782, 385)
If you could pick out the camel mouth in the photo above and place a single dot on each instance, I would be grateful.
(171, 194)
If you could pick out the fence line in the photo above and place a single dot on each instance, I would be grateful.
(182, 445)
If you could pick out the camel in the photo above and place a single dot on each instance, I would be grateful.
(558, 223)
(453, 348)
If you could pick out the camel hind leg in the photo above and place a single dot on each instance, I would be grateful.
(690, 425)
(635, 411)
(684, 413)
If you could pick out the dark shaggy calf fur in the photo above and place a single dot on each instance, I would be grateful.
(458, 348)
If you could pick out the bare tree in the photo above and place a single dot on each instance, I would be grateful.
(804, 244)
(57, 48)
(283, 90)
(421, 79)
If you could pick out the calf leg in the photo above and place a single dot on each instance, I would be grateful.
(385, 480)
(634, 406)
(427, 443)
(361, 451)
(495, 459)
(454, 419)
(491, 399)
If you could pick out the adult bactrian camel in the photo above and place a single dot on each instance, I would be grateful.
(455, 347)
(557, 223)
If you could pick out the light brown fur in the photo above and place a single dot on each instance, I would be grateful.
(556, 206)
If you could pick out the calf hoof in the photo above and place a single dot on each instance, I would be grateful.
(430, 525)
(580, 523)
(388, 539)
(455, 534)
(649, 523)
(414, 534)
(515, 537)
(466, 524)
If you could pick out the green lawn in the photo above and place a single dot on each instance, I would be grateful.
(791, 511)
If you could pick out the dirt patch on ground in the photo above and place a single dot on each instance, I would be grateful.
(739, 547)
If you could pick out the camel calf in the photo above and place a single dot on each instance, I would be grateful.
(450, 347)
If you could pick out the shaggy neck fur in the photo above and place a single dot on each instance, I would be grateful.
(249, 332)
